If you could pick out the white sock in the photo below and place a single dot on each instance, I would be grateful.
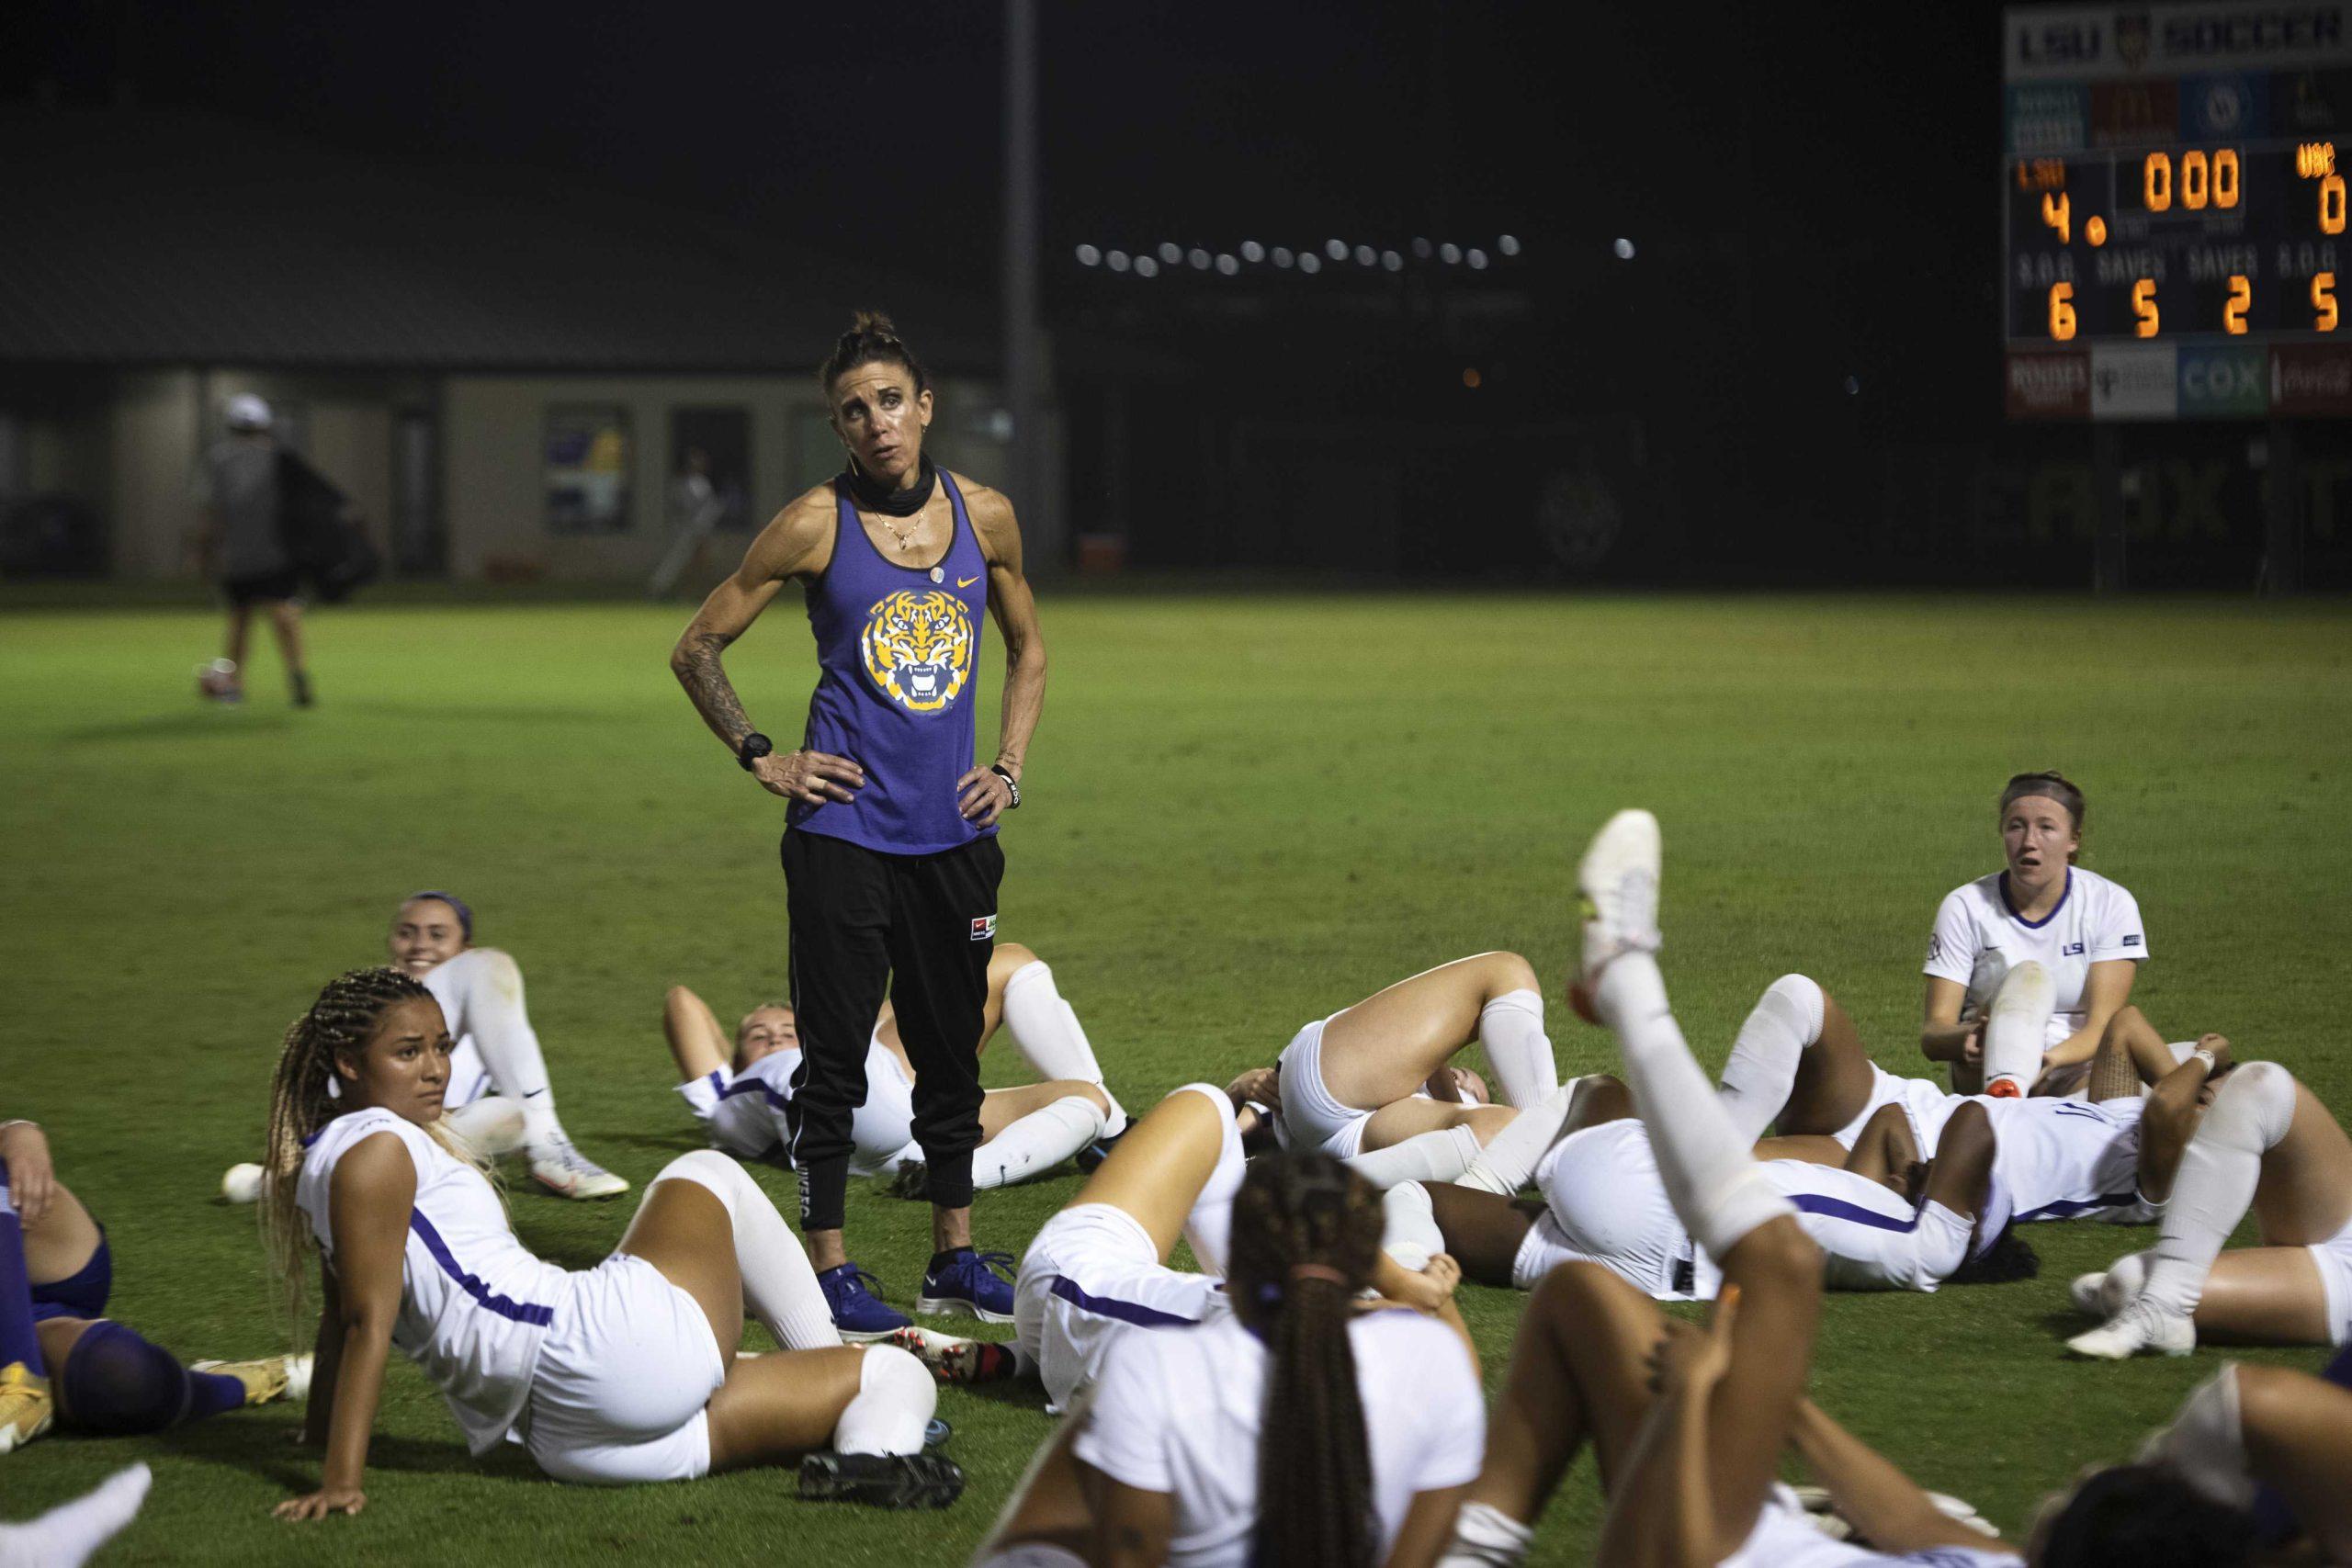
(1764, 1056)
(2126, 1278)
(1210, 1224)
(67, 1535)
(1038, 1141)
(492, 1126)
(1408, 1231)
(1507, 1162)
(1050, 1037)
(779, 1284)
(2219, 1172)
(1718, 1191)
(1438, 1156)
(1511, 1028)
(1486, 1537)
(2016, 1029)
(2205, 1444)
(488, 992)
(896, 1395)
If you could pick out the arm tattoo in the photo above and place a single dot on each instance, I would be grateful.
(704, 678)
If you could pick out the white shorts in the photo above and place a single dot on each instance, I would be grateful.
(737, 1114)
(1785, 1537)
(1927, 1103)
(1605, 1204)
(1092, 1274)
(882, 1130)
(623, 1378)
(2333, 1258)
(1312, 1121)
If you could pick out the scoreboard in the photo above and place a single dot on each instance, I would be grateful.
(2174, 211)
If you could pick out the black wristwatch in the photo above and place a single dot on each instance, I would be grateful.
(752, 748)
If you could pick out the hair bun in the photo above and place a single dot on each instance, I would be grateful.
(873, 323)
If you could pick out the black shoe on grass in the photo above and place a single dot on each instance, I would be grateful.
(881, 1481)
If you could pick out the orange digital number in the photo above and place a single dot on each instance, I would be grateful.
(2144, 305)
(2155, 181)
(2196, 181)
(2324, 301)
(2331, 204)
(2225, 178)
(2241, 296)
(2061, 312)
(2057, 211)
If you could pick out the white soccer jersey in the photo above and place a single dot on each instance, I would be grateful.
(475, 1305)
(2095, 919)
(745, 1111)
(1179, 1413)
(1785, 1538)
(2062, 1160)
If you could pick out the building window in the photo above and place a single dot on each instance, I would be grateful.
(588, 454)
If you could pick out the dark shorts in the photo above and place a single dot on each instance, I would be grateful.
(262, 587)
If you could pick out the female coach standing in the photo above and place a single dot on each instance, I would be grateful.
(891, 859)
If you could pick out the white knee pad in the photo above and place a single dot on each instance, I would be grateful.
(1808, 1004)
(2204, 1444)
(2254, 1107)
(896, 1395)
(710, 1169)
(1409, 1233)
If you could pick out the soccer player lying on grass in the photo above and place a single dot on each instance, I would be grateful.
(500, 1095)
(1360, 1427)
(741, 1095)
(1099, 1269)
(624, 1372)
(1374, 1075)
(60, 1358)
(1691, 1428)
(2256, 1467)
(1882, 1220)
(2259, 1140)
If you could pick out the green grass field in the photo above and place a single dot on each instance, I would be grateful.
(1244, 812)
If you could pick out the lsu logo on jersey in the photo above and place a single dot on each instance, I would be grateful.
(918, 649)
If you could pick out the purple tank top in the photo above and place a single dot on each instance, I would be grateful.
(898, 649)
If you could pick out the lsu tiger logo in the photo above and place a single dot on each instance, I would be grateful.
(918, 649)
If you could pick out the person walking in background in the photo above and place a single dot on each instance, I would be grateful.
(891, 855)
(241, 543)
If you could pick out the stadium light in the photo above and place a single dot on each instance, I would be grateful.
(1281, 256)
(1476, 258)
(1146, 267)
(1118, 260)
(1507, 244)
(1310, 263)
(1366, 255)
(1336, 249)
(1171, 253)
(1226, 266)
(1423, 249)
(1253, 252)
(1199, 259)
(1624, 249)
(1448, 253)
(1392, 261)
(1088, 256)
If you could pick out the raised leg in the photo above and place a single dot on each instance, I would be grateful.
(1164, 1167)
(1833, 1077)
(1383, 1047)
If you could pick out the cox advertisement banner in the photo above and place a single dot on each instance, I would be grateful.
(2224, 383)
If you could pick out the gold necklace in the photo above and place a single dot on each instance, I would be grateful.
(903, 542)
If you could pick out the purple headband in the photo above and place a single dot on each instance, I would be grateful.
(465, 915)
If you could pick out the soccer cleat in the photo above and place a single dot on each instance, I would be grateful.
(566, 1172)
(1617, 881)
(2020, 1013)
(964, 1281)
(955, 1360)
(267, 1381)
(2141, 1328)
(217, 682)
(303, 696)
(2088, 1292)
(935, 1433)
(26, 1406)
(1091, 1157)
(911, 1181)
(859, 1315)
(881, 1481)
(2004, 1088)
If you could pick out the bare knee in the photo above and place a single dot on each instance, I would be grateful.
(1776, 1258)
(1010, 956)
(1508, 972)
(1572, 1293)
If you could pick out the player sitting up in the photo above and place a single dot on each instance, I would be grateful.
(620, 1373)
(740, 1094)
(62, 1358)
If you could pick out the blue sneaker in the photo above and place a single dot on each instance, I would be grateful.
(964, 1281)
(858, 1312)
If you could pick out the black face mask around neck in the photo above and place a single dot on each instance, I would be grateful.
(865, 492)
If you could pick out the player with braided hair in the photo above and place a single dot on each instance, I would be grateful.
(624, 1372)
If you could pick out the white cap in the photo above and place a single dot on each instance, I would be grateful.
(248, 412)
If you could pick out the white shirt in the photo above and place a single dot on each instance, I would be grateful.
(1178, 1411)
(475, 1305)
(1785, 1538)
(2095, 919)
(2063, 1159)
